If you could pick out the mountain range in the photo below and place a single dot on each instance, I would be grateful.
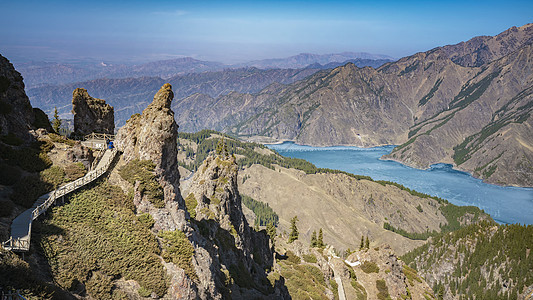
(130, 94)
(53, 73)
(467, 104)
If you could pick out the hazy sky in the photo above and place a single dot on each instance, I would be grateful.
(238, 31)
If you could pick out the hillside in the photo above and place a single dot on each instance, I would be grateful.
(296, 187)
(439, 105)
(485, 260)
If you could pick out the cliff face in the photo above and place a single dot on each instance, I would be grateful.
(152, 136)
(239, 255)
(91, 114)
(16, 113)
(229, 257)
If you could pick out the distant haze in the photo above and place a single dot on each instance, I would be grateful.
(238, 31)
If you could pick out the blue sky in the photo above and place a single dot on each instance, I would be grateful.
(238, 31)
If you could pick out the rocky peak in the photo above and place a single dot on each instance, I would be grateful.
(91, 114)
(16, 113)
(152, 136)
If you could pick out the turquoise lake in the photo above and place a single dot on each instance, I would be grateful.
(504, 204)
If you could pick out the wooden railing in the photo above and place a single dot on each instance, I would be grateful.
(74, 185)
(17, 244)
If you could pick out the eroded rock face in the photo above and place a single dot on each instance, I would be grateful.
(91, 114)
(237, 254)
(16, 113)
(152, 136)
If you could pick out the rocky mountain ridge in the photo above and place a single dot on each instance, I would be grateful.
(441, 89)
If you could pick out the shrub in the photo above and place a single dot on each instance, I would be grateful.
(369, 267)
(28, 189)
(99, 285)
(310, 258)
(53, 176)
(292, 258)
(143, 292)
(191, 203)
(147, 220)
(178, 250)
(383, 290)
(74, 171)
(142, 171)
(28, 158)
(99, 234)
(56, 138)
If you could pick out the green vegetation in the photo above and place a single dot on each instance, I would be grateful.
(411, 275)
(56, 123)
(313, 239)
(15, 274)
(271, 231)
(304, 281)
(501, 250)
(142, 171)
(309, 258)
(31, 159)
(334, 288)
(369, 267)
(293, 236)
(56, 138)
(431, 93)
(383, 290)
(320, 239)
(178, 249)
(191, 203)
(264, 215)
(97, 231)
(74, 171)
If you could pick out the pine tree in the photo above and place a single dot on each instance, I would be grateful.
(367, 243)
(56, 124)
(320, 241)
(362, 242)
(313, 239)
(293, 236)
(271, 231)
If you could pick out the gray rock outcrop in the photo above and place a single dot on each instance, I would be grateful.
(16, 113)
(91, 114)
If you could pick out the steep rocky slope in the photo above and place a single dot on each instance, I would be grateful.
(16, 113)
(430, 102)
(485, 261)
(91, 114)
(229, 257)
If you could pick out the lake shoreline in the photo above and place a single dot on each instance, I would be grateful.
(505, 204)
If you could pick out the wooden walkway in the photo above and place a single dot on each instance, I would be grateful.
(21, 226)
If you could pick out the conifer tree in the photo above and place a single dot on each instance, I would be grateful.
(271, 231)
(56, 124)
(362, 242)
(367, 243)
(313, 239)
(320, 241)
(293, 236)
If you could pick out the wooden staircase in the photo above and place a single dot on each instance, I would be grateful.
(21, 226)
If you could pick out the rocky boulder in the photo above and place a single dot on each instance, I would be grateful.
(91, 114)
